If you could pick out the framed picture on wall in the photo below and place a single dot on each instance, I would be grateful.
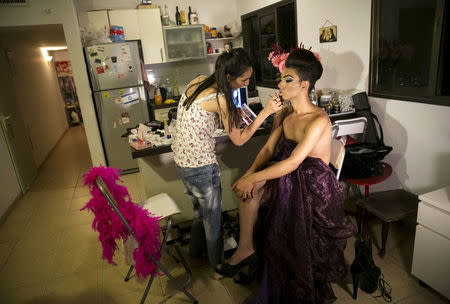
(328, 34)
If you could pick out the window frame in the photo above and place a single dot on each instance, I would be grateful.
(436, 69)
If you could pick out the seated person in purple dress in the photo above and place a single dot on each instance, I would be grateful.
(303, 230)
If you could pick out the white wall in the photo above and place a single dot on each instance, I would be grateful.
(10, 189)
(63, 12)
(36, 87)
(419, 133)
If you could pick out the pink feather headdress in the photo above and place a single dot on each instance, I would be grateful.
(110, 227)
(278, 56)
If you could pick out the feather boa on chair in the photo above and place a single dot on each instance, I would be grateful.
(110, 227)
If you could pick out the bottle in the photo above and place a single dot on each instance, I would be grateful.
(189, 15)
(158, 96)
(183, 17)
(213, 32)
(165, 20)
(194, 18)
(175, 90)
(168, 86)
(166, 130)
(178, 17)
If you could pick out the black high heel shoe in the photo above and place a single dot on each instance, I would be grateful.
(230, 271)
(246, 275)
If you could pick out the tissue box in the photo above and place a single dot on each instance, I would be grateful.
(140, 146)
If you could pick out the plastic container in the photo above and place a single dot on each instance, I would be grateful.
(213, 33)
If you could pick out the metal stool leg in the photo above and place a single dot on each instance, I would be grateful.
(147, 289)
(185, 264)
(127, 278)
(179, 286)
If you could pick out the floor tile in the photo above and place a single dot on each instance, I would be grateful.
(11, 230)
(76, 258)
(25, 270)
(428, 297)
(26, 294)
(5, 251)
(79, 287)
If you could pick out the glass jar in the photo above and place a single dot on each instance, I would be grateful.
(325, 100)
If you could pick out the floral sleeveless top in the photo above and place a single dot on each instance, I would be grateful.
(193, 142)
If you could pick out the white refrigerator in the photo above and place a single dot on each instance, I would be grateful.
(119, 95)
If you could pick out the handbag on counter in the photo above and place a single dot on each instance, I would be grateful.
(363, 159)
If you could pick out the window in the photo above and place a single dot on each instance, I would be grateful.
(274, 24)
(410, 50)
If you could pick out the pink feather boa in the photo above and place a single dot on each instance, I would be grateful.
(110, 228)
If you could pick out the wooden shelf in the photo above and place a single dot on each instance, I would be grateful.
(222, 39)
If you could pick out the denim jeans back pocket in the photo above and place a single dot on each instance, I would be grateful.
(198, 181)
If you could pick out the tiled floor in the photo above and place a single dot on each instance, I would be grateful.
(49, 253)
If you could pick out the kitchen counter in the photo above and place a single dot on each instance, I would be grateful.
(167, 149)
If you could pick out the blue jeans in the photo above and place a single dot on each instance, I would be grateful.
(203, 187)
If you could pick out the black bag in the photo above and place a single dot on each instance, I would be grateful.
(362, 109)
(363, 159)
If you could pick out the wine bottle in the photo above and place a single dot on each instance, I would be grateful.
(189, 15)
(178, 17)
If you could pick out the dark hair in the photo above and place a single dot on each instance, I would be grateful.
(306, 64)
(234, 63)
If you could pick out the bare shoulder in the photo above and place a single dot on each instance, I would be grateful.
(320, 118)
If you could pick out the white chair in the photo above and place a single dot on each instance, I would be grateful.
(337, 155)
(161, 205)
(350, 126)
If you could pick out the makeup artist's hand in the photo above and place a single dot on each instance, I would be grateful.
(244, 188)
(274, 104)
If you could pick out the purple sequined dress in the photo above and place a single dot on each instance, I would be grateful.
(302, 234)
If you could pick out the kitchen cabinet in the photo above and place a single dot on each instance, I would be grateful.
(128, 19)
(184, 42)
(432, 241)
(261, 29)
(98, 21)
(151, 31)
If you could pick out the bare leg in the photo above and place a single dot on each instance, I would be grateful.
(248, 212)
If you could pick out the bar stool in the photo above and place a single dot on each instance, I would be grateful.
(388, 206)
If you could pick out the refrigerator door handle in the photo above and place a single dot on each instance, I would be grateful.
(161, 53)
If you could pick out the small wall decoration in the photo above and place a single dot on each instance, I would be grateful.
(328, 33)
(63, 68)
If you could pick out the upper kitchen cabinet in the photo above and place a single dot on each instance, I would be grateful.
(184, 42)
(97, 21)
(128, 19)
(151, 31)
(272, 25)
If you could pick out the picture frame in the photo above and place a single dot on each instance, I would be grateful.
(328, 34)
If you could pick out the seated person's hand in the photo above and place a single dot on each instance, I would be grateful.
(244, 188)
